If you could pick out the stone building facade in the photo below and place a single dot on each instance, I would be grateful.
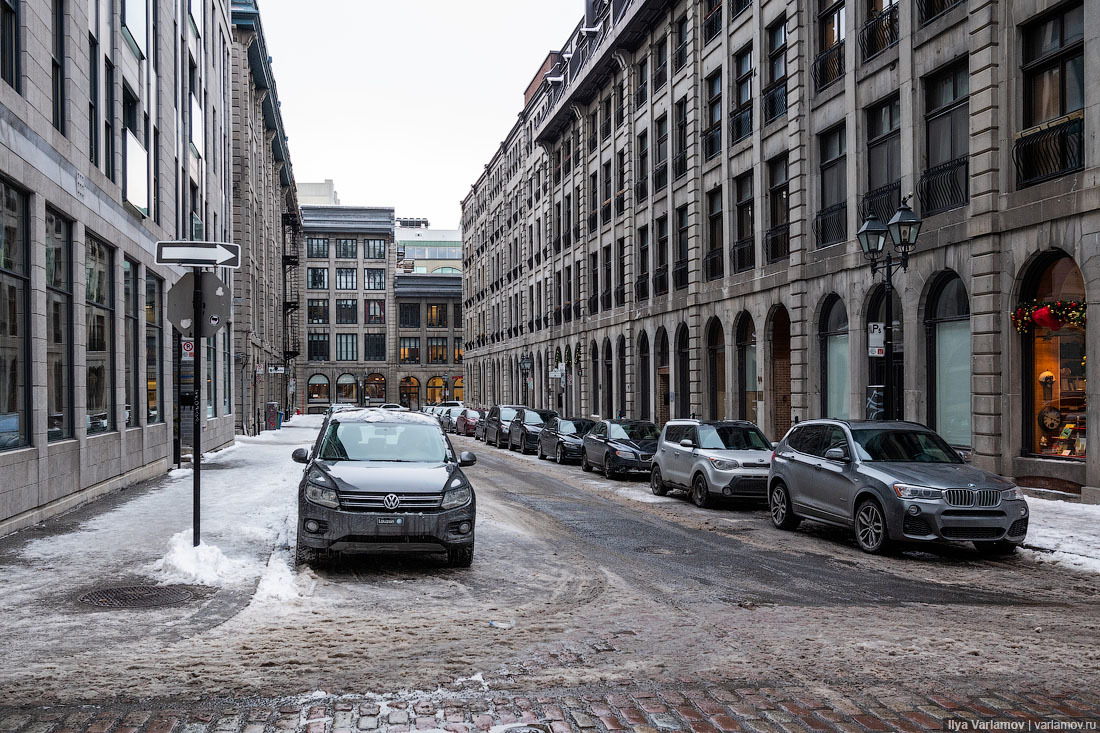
(267, 226)
(371, 332)
(672, 220)
(107, 145)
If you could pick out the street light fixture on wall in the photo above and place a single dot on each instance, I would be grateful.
(525, 368)
(902, 231)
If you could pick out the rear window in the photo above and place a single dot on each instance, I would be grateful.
(472, 413)
(530, 417)
(384, 443)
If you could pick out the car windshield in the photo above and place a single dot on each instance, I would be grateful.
(530, 417)
(362, 441)
(732, 437)
(472, 413)
(574, 427)
(903, 446)
(507, 413)
(632, 431)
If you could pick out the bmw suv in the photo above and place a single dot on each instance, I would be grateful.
(728, 458)
(891, 481)
(384, 481)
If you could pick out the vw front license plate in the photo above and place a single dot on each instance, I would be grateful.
(391, 520)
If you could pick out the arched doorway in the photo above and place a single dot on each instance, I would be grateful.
(621, 354)
(780, 345)
(317, 391)
(947, 325)
(748, 383)
(716, 370)
(594, 374)
(664, 380)
(409, 393)
(435, 390)
(608, 381)
(347, 389)
(567, 382)
(643, 377)
(683, 373)
(835, 360)
(375, 387)
(458, 389)
(1051, 320)
(876, 365)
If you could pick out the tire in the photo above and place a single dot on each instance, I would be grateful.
(538, 451)
(304, 555)
(523, 444)
(656, 483)
(460, 557)
(559, 455)
(1000, 548)
(872, 535)
(585, 465)
(779, 506)
(609, 472)
(700, 492)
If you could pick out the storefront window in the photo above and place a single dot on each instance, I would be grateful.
(410, 393)
(459, 391)
(346, 388)
(317, 390)
(948, 329)
(435, 390)
(835, 360)
(376, 387)
(1055, 372)
(746, 370)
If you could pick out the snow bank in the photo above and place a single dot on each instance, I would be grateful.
(1064, 533)
(202, 565)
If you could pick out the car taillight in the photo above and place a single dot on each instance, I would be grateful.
(773, 455)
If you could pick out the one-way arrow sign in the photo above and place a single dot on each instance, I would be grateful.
(199, 254)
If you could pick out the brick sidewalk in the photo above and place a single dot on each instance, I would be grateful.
(713, 710)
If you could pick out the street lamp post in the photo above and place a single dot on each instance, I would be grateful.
(525, 369)
(902, 230)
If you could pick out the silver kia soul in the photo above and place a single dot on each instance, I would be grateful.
(710, 458)
(891, 481)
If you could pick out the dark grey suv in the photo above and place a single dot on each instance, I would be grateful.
(891, 481)
(384, 481)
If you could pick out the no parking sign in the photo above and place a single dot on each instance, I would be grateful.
(188, 349)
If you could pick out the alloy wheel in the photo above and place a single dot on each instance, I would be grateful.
(870, 527)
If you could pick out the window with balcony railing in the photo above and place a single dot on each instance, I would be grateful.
(712, 20)
(828, 67)
(660, 280)
(775, 102)
(945, 183)
(929, 10)
(679, 56)
(880, 32)
(714, 265)
(831, 225)
(680, 275)
(743, 255)
(777, 243)
(1050, 151)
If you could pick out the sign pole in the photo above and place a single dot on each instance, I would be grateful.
(196, 440)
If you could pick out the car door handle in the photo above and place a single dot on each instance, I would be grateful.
(818, 466)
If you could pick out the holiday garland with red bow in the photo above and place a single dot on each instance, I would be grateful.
(1049, 314)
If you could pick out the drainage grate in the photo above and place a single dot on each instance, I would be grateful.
(136, 596)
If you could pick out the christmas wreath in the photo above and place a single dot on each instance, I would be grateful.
(1049, 314)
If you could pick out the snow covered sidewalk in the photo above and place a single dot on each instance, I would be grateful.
(1064, 533)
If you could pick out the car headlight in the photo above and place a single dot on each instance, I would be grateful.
(625, 454)
(909, 491)
(457, 497)
(724, 464)
(322, 496)
(1014, 493)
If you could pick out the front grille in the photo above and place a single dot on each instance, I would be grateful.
(973, 533)
(916, 526)
(405, 539)
(972, 497)
(375, 501)
(647, 456)
(1019, 527)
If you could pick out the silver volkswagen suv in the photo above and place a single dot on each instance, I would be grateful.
(891, 481)
(727, 458)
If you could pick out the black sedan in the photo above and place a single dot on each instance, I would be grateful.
(620, 446)
(563, 438)
(526, 426)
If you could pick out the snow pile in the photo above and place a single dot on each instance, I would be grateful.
(1064, 533)
(202, 565)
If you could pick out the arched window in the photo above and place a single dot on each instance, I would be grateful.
(876, 365)
(622, 374)
(435, 390)
(608, 382)
(664, 379)
(442, 270)
(1054, 360)
(409, 392)
(716, 370)
(748, 385)
(834, 359)
(594, 374)
(458, 390)
(683, 377)
(346, 388)
(376, 388)
(948, 329)
(317, 389)
(643, 377)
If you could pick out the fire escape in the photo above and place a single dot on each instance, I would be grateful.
(292, 243)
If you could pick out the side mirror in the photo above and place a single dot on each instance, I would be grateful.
(466, 458)
(300, 455)
(775, 444)
(964, 455)
(836, 454)
(687, 443)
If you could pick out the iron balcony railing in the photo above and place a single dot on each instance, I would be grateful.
(712, 141)
(620, 115)
(679, 164)
(928, 10)
(593, 142)
(642, 94)
(883, 202)
(660, 176)
(566, 238)
(828, 67)
(714, 265)
(660, 280)
(660, 75)
(1050, 152)
(557, 174)
(944, 186)
(738, 6)
(831, 224)
(593, 305)
(641, 189)
(680, 56)
(680, 275)
(605, 300)
(712, 24)
(777, 243)
(577, 308)
(741, 124)
(577, 232)
(620, 295)
(641, 287)
(567, 164)
(879, 33)
(775, 101)
(743, 254)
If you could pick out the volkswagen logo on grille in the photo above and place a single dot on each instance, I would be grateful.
(392, 501)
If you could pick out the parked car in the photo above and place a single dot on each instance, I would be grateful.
(393, 406)
(384, 481)
(891, 481)
(479, 427)
(467, 421)
(620, 446)
(563, 438)
(712, 458)
(447, 418)
(498, 422)
(527, 424)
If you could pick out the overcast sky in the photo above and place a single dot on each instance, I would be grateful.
(403, 102)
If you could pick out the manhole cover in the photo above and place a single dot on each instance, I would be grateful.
(658, 550)
(136, 596)
(527, 729)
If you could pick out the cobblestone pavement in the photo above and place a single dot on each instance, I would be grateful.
(707, 709)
